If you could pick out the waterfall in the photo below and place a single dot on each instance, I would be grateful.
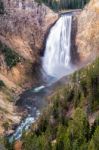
(57, 57)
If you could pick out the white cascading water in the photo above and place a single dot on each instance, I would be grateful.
(57, 57)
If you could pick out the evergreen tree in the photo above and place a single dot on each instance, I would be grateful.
(94, 143)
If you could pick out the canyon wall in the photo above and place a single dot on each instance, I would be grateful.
(87, 33)
(23, 28)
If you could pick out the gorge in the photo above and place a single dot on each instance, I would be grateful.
(56, 64)
(48, 70)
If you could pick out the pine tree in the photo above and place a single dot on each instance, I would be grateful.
(94, 143)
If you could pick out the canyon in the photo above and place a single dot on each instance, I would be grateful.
(24, 29)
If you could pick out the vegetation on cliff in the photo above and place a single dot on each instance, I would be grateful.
(11, 57)
(65, 124)
(1, 84)
(64, 4)
(1, 7)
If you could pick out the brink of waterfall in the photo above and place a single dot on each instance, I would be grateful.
(57, 57)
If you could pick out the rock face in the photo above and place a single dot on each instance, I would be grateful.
(87, 36)
(23, 28)
(26, 25)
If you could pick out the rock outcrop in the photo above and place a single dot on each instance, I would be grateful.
(87, 36)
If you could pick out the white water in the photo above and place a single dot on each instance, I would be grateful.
(57, 58)
(37, 89)
(24, 125)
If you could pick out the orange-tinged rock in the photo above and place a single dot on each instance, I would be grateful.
(87, 37)
(18, 145)
(23, 30)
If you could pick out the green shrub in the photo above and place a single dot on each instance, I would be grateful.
(11, 57)
(94, 143)
(1, 84)
(1, 7)
(6, 125)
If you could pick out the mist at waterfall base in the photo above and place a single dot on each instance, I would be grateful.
(57, 57)
(56, 64)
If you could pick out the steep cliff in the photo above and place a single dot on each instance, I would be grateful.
(23, 28)
(87, 36)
